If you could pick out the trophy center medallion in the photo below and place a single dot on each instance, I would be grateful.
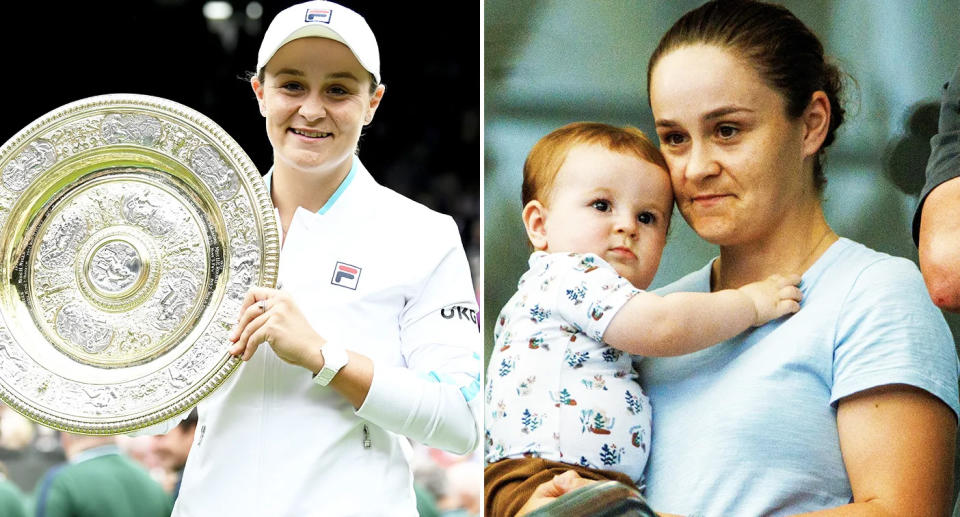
(116, 272)
(114, 268)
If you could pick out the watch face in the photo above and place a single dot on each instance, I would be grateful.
(334, 358)
(130, 229)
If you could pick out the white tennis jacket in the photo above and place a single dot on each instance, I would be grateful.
(387, 278)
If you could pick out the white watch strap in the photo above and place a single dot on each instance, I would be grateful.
(334, 358)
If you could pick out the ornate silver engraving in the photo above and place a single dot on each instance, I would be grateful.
(11, 364)
(80, 328)
(37, 157)
(132, 340)
(150, 227)
(139, 210)
(133, 278)
(246, 268)
(177, 293)
(59, 246)
(100, 397)
(115, 267)
(131, 129)
(221, 179)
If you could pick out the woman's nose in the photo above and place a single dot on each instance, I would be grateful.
(701, 163)
(312, 108)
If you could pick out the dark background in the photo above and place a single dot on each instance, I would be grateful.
(423, 142)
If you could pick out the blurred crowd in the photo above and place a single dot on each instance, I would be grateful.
(47, 473)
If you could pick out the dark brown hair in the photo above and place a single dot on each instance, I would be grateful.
(784, 51)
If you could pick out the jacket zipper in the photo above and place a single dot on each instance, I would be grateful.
(366, 437)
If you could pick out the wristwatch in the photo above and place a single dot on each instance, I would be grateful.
(334, 358)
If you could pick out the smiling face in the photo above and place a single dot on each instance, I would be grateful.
(316, 99)
(738, 163)
(613, 204)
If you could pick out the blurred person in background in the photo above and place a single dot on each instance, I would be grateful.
(172, 449)
(447, 485)
(140, 449)
(16, 432)
(98, 481)
(936, 224)
(12, 501)
(464, 490)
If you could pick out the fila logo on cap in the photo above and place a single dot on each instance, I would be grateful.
(318, 15)
(346, 275)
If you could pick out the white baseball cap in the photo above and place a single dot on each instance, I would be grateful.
(323, 20)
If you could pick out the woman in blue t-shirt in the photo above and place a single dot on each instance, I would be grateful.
(848, 407)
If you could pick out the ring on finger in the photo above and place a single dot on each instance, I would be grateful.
(262, 306)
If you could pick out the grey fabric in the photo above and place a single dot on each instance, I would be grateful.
(606, 499)
(944, 162)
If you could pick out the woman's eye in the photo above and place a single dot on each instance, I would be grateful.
(646, 218)
(673, 139)
(293, 87)
(601, 205)
(338, 90)
(727, 131)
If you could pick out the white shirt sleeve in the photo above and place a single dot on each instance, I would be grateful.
(434, 399)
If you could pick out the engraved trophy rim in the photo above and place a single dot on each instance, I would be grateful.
(108, 205)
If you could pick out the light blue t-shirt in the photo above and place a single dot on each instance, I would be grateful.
(748, 427)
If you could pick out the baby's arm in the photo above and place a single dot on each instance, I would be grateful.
(681, 323)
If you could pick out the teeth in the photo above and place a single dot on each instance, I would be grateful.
(311, 134)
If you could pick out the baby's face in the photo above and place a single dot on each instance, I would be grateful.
(615, 205)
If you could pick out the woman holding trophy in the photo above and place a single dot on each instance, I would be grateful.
(373, 335)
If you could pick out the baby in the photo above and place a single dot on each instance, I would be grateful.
(561, 391)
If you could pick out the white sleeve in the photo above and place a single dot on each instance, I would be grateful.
(434, 400)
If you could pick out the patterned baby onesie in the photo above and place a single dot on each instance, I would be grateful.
(554, 389)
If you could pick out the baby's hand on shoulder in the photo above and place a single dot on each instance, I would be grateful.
(773, 297)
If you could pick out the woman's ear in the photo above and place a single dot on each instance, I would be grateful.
(535, 221)
(374, 104)
(816, 123)
(258, 91)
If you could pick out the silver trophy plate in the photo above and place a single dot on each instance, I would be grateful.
(131, 228)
